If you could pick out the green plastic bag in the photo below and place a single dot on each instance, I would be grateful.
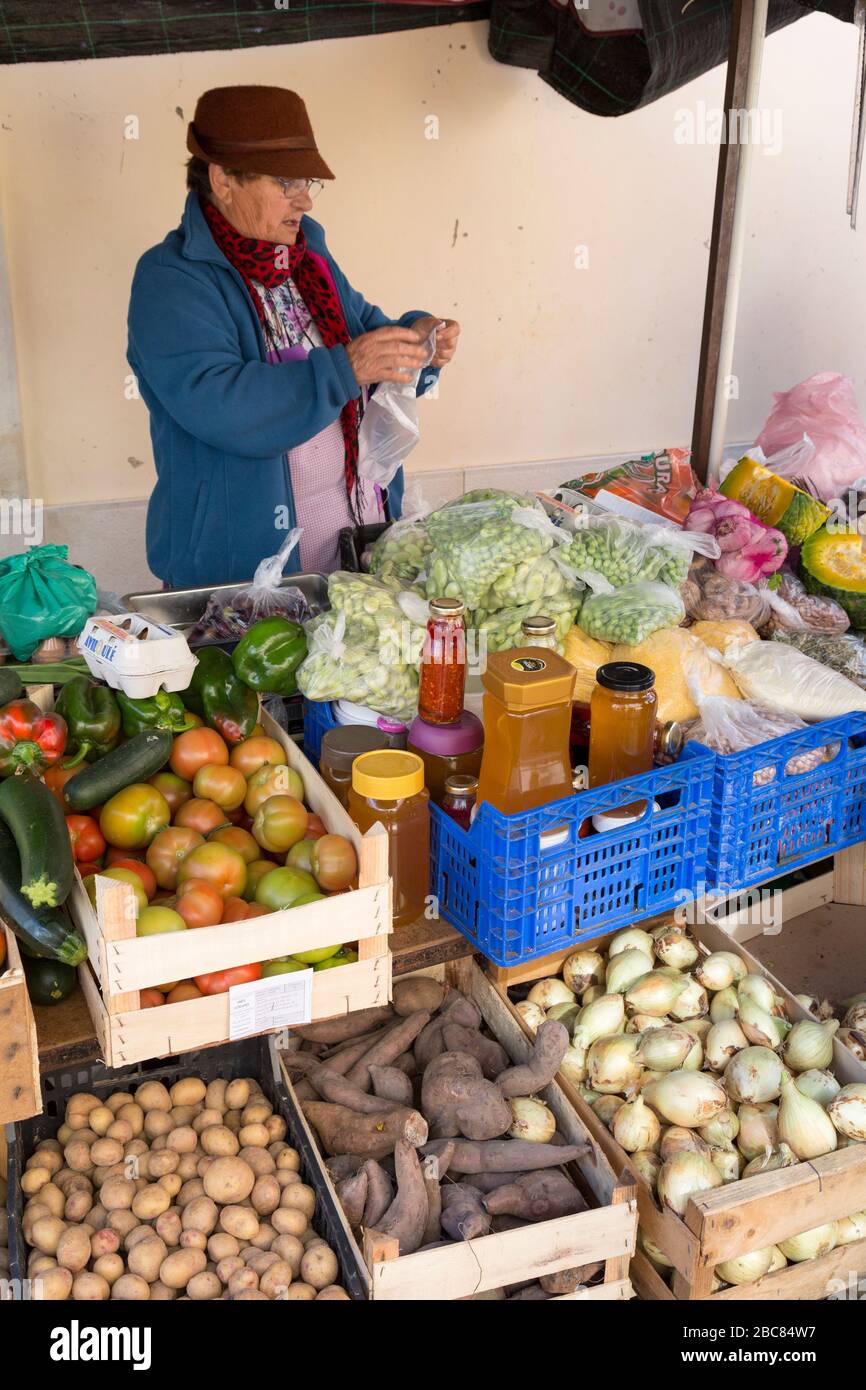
(43, 595)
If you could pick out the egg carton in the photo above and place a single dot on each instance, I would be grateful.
(132, 653)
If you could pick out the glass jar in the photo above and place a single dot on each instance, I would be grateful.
(447, 750)
(459, 799)
(346, 713)
(527, 714)
(388, 789)
(539, 632)
(622, 725)
(340, 748)
(443, 663)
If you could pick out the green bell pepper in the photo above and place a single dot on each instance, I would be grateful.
(160, 711)
(92, 718)
(222, 700)
(268, 655)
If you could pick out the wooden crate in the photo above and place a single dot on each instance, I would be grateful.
(738, 1217)
(459, 1270)
(120, 964)
(20, 1092)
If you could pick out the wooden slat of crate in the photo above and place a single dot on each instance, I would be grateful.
(811, 1279)
(20, 1092)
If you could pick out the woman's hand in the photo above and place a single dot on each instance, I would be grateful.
(386, 354)
(447, 333)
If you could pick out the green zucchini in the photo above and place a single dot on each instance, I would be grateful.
(48, 981)
(134, 761)
(10, 686)
(44, 934)
(35, 818)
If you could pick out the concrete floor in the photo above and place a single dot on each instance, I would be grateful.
(823, 952)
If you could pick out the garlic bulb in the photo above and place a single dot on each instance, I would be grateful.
(685, 1176)
(727, 1163)
(612, 1063)
(624, 970)
(851, 1228)
(753, 1075)
(631, 939)
(746, 1269)
(688, 1098)
(692, 1003)
(677, 1139)
(821, 1085)
(673, 947)
(804, 1125)
(761, 1029)
(856, 1017)
(809, 1045)
(546, 993)
(768, 1162)
(778, 1261)
(820, 1240)
(606, 1108)
(566, 1014)
(599, 1019)
(582, 969)
(665, 1049)
(723, 1040)
(724, 1005)
(721, 1130)
(573, 1064)
(715, 971)
(635, 1127)
(532, 1120)
(759, 990)
(648, 1164)
(759, 1133)
(854, 1040)
(848, 1111)
(531, 1014)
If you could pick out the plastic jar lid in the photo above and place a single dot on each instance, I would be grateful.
(625, 676)
(465, 735)
(388, 775)
(340, 747)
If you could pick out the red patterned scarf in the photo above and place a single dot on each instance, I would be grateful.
(271, 265)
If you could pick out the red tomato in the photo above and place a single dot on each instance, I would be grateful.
(146, 875)
(175, 790)
(280, 823)
(253, 753)
(236, 910)
(86, 838)
(238, 839)
(185, 990)
(168, 850)
(56, 778)
(199, 904)
(151, 998)
(203, 816)
(224, 785)
(221, 981)
(334, 862)
(219, 865)
(132, 817)
(271, 780)
(87, 869)
(194, 749)
(257, 910)
(113, 855)
(316, 827)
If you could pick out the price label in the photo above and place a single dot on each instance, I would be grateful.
(281, 1001)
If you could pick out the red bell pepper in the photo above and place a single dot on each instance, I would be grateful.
(29, 740)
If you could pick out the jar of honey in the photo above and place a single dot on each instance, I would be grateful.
(527, 714)
(447, 750)
(388, 789)
(622, 725)
(443, 663)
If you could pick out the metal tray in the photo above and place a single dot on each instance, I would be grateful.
(182, 608)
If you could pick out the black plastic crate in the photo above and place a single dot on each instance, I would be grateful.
(354, 541)
(256, 1057)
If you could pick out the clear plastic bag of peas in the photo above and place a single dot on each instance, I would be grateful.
(625, 552)
(480, 543)
(400, 553)
(631, 613)
(336, 668)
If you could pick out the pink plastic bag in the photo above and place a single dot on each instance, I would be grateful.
(824, 408)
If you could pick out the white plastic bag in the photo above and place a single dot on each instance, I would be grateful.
(389, 429)
(228, 616)
(730, 726)
(786, 679)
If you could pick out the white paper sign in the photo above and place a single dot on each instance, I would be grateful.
(281, 1001)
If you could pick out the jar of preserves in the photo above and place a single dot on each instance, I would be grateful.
(447, 750)
(388, 789)
(458, 800)
(340, 748)
(622, 726)
(443, 663)
(539, 632)
(527, 714)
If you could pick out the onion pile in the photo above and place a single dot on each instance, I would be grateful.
(693, 1065)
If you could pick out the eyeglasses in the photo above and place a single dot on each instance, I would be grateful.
(296, 188)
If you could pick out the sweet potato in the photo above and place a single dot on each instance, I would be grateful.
(568, 1280)
(463, 1213)
(417, 992)
(491, 1054)
(504, 1155)
(507, 1223)
(389, 1083)
(344, 1131)
(352, 1193)
(336, 1030)
(342, 1166)
(434, 1170)
(383, 1053)
(406, 1218)
(431, 1041)
(533, 1294)
(548, 1050)
(541, 1196)
(456, 1100)
(380, 1193)
(488, 1182)
(339, 1089)
(406, 1063)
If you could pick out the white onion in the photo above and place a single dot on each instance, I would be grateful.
(808, 1245)
(724, 1005)
(809, 1002)
(758, 990)
(727, 1163)
(848, 1111)
(778, 1261)
(822, 1086)
(677, 1139)
(650, 1248)
(648, 1164)
(809, 1045)
(851, 1228)
(586, 1093)
(673, 947)
(592, 993)
(700, 1027)
(532, 1120)
(804, 1125)
(854, 1040)
(582, 969)
(759, 1133)
(566, 1014)
(695, 1059)
(685, 1176)
(624, 969)
(531, 1014)
(753, 1075)
(688, 1098)
(761, 1029)
(546, 993)
(692, 1003)
(856, 1017)
(599, 1019)
(645, 1023)
(780, 1157)
(635, 1127)
(737, 964)
(723, 1041)
(612, 1063)
(715, 971)
(665, 1049)
(631, 939)
(573, 1064)
(746, 1269)
(721, 1130)
(606, 1107)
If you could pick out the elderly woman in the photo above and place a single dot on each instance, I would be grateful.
(255, 355)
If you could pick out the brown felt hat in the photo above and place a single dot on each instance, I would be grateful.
(259, 130)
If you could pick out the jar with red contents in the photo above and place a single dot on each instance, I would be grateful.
(443, 663)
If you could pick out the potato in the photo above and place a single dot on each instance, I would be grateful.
(46, 1233)
(183, 1140)
(188, 1091)
(241, 1222)
(122, 1221)
(200, 1215)
(258, 1159)
(237, 1094)
(110, 1267)
(206, 1119)
(159, 1143)
(130, 1288)
(168, 1226)
(172, 1184)
(77, 1156)
(90, 1288)
(107, 1151)
(300, 1197)
(203, 1164)
(250, 1296)
(48, 1146)
(193, 1240)
(82, 1102)
(288, 1158)
(299, 1292)
(191, 1189)
(160, 1292)
(76, 1207)
(138, 1233)
(184, 1114)
(232, 1120)
(146, 1257)
(228, 1266)
(97, 1216)
(276, 1280)
(229, 1180)
(134, 1116)
(265, 1195)
(152, 1095)
(37, 1263)
(136, 1148)
(285, 1176)
(53, 1285)
(119, 1099)
(319, 1266)
(332, 1293)
(188, 1166)
(120, 1130)
(73, 1249)
(32, 1212)
(151, 1202)
(256, 1112)
(67, 1181)
(203, 1286)
(221, 1246)
(276, 1127)
(178, 1268)
(255, 1136)
(160, 1164)
(241, 1280)
(52, 1198)
(65, 1133)
(157, 1123)
(104, 1242)
(116, 1194)
(289, 1221)
(100, 1119)
(265, 1236)
(219, 1141)
(33, 1179)
(215, 1095)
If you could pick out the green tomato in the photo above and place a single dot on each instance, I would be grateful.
(283, 965)
(343, 957)
(153, 921)
(285, 887)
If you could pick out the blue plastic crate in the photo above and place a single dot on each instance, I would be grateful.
(767, 820)
(318, 719)
(524, 885)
